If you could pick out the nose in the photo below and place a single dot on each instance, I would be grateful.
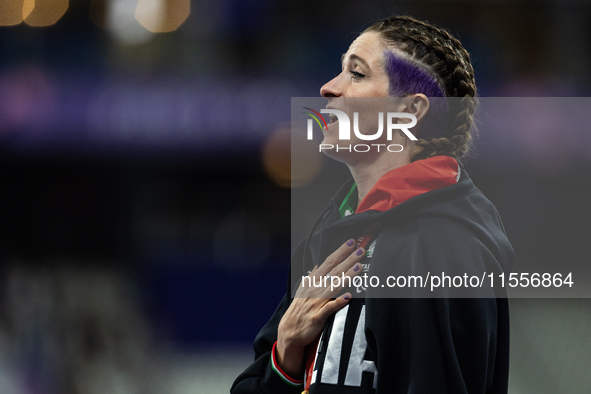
(331, 88)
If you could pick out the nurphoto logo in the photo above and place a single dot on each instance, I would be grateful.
(345, 129)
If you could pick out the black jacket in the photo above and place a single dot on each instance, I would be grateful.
(406, 345)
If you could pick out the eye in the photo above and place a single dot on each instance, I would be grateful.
(356, 74)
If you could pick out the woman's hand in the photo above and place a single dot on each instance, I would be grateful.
(306, 317)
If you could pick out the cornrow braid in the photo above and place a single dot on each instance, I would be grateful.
(443, 54)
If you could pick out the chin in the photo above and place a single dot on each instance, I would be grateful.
(331, 137)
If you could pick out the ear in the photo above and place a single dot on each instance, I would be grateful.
(418, 105)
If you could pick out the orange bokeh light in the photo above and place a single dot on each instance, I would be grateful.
(11, 12)
(44, 13)
(161, 16)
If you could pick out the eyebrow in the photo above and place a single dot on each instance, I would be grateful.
(355, 57)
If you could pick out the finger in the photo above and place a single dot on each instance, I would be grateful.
(335, 305)
(334, 281)
(353, 258)
(349, 262)
(336, 257)
(341, 276)
(355, 270)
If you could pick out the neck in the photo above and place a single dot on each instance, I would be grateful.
(367, 174)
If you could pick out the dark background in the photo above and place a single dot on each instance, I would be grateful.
(142, 242)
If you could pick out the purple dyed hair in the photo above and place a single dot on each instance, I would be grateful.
(437, 52)
(407, 76)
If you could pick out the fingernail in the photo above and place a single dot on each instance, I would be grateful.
(359, 252)
(347, 296)
(350, 242)
(356, 268)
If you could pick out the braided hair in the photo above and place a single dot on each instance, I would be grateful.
(435, 51)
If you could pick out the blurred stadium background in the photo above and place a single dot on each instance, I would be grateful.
(144, 213)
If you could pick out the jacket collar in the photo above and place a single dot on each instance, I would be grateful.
(411, 180)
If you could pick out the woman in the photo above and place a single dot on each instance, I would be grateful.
(412, 211)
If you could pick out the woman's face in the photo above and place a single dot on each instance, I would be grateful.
(363, 76)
